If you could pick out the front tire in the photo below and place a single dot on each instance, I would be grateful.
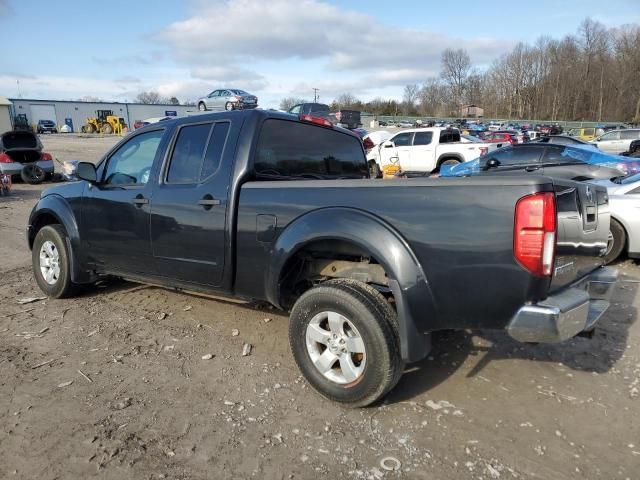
(616, 243)
(50, 259)
(344, 338)
(202, 107)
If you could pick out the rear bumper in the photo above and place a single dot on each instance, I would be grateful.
(567, 313)
(14, 168)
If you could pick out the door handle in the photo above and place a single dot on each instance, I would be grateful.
(140, 200)
(208, 201)
(532, 169)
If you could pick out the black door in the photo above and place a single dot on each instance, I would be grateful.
(115, 213)
(189, 206)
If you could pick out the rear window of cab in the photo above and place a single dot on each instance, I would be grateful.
(293, 149)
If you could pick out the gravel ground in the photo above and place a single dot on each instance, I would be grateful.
(118, 384)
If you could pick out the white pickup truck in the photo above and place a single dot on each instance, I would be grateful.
(425, 150)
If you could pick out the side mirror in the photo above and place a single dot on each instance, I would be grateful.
(389, 144)
(86, 171)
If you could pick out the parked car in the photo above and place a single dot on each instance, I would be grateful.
(343, 118)
(21, 154)
(227, 99)
(426, 149)
(502, 137)
(587, 133)
(617, 141)
(562, 161)
(45, 126)
(404, 124)
(261, 205)
(624, 204)
(553, 129)
(634, 149)
(564, 140)
(494, 126)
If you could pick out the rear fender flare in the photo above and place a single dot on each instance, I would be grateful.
(406, 276)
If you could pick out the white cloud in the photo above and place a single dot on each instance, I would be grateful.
(223, 41)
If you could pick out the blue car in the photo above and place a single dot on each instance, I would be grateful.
(575, 162)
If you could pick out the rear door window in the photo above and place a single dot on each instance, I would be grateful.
(558, 154)
(630, 134)
(422, 138)
(289, 149)
(186, 159)
(197, 152)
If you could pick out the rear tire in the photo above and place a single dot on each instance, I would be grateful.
(32, 174)
(107, 129)
(617, 241)
(229, 106)
(50, 259)
(374, 170)
(346, 323)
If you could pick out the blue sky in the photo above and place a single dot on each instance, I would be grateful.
(275, 48)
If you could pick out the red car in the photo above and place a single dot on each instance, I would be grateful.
(500, 137)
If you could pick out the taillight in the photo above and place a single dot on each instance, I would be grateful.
(4, 158)
(484, 151)
(368, 143)
(317, 120)
(238, 98)
(534, 233)
(46, 156)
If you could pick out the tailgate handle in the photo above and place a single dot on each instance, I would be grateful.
(591, 214)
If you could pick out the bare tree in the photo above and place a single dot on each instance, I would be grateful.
(346, 100)
(288, 102)
(409, 97)
(149, 97)
(456, 65)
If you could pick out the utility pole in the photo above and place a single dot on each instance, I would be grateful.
(315, 94)
(19, 92)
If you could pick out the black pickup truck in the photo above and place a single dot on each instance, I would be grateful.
(260, 205)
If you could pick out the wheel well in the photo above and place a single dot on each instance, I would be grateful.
(446, 157)
(625, 247)
(42, 220)
(322, 260)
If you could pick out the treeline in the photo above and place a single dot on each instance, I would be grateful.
(593, 75)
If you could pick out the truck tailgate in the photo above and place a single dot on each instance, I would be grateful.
(583, 230)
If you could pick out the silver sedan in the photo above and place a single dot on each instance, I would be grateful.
(624, 202)
(227, 99)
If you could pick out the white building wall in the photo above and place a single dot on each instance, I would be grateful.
(5, 119)
(78, 112)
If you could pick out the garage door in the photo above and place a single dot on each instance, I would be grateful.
(43, 112)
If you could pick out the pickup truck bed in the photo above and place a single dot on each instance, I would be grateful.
(368, 268)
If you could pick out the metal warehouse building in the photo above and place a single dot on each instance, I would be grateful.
(74, 113)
